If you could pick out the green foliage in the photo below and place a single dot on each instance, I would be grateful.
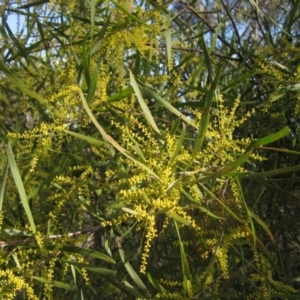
(149, 151)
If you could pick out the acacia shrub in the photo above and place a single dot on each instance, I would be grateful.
(129, 179)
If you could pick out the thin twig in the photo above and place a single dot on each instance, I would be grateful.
(212, 53)
(212, 29)
(199, 51)
(4, 244)
(233, 23)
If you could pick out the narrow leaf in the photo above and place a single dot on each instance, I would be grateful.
(85, 64)
(103, 271)
(134, 291)
(231, 166)
(266, 173)
(169, 41)
(178, 218)
(19, 183)
(207, 61)
(3, 179)
(130, 270)
(202, 208)
(108, 138)
(92, 87)
(92, 141)
(130, 211)
(251, 237)
(285, 195)
(93, 12)
(26, 90)
(179, 144)
(88, 252)
(205, 117)
(142, 103)
(155, 283)
(184, 261)
(99, 38)
(263, 225)
(270, 138)
(281, 150)
(215, 37)
(121, 95)
(246, 209)
(58, 284)
(167, 105)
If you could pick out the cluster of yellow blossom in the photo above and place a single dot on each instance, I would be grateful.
(11, 284)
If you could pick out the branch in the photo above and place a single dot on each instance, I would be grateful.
(199, 51)
(4, 244)
(213, 30)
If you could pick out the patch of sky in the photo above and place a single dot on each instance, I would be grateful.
(16, 21)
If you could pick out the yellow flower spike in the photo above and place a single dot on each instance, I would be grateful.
(150, 235)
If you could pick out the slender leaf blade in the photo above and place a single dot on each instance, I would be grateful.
(222, 172)
(179, 144)
(270, 138)
(88, 252)
(142, 103)
(58, 284)
(92, 268)
(3, 179)
(167, 105)
(134, 276)
(108, 138)
(184, 261)
(19, 183)
(263, 225)
(29, 92)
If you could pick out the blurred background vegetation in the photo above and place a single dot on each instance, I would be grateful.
(149, 149)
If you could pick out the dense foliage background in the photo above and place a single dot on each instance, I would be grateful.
(149, 149)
